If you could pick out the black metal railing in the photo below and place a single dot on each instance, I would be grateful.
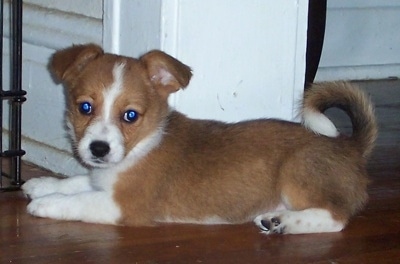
(11, 172)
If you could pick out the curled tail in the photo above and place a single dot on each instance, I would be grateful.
(350, 99)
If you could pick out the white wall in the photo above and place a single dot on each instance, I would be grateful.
(362, 40)
(247, 57)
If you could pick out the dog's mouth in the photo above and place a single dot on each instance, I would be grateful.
(96, 162)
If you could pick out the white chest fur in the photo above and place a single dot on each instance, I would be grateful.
(105, 178)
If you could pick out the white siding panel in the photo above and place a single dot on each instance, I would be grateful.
(58, 29)
(89, 8)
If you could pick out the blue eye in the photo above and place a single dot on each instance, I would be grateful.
(130, 116)
(85, 108)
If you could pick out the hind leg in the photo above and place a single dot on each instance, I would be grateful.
(312, 220)
(306, 212)
(320, 194)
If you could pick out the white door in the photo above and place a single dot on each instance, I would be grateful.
(248, 57)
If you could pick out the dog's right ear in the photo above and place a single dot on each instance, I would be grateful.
(68, 63)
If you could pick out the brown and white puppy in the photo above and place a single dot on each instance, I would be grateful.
(151, 164)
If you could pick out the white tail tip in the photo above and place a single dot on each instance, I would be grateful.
(319, 123)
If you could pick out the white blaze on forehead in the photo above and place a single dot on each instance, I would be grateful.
(111, 94)
(104, 128)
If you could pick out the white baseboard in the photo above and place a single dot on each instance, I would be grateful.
(365, 72)
(48, 157)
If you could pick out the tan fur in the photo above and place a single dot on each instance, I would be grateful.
(203, 168)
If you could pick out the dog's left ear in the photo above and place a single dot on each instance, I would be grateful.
(165, 72)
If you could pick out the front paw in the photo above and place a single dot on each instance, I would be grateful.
(49, 206)
(39, 187)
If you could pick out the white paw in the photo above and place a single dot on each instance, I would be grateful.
(49, 206)
(39, 187)
(270, 223)
(311, 220)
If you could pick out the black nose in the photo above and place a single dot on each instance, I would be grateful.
(99, 148)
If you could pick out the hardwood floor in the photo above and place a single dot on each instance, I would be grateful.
(373, 236)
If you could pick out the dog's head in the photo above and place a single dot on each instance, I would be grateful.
(116, 105)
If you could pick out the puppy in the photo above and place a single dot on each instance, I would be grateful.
(151, 164)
